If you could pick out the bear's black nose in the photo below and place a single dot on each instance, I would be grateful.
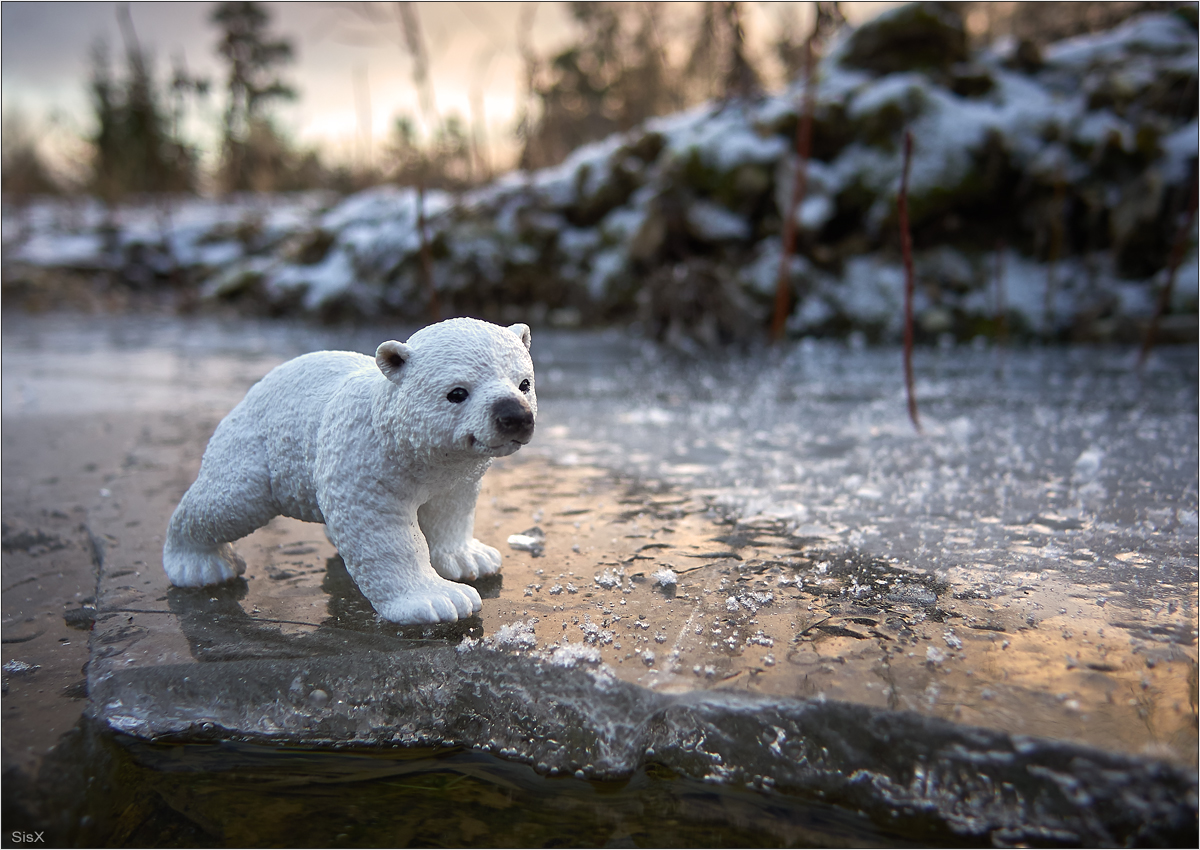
(513, 418)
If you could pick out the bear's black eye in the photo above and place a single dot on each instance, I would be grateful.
(524, 386)
(457, 395)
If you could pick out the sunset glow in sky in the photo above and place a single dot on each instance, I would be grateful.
(351, 70)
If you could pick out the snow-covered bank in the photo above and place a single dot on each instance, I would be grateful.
(1045, 190)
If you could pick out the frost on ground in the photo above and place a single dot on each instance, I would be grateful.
(1094, 126)
(665, 578)
(574, 654)
(610, 578)
(513, 636)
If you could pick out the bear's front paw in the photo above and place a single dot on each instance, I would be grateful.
(466, 563)
(440, 602)
(196, 567)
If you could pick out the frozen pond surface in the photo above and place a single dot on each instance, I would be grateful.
(1062, 459)
(1027, 566)
(1031, 463)
(1059, 461)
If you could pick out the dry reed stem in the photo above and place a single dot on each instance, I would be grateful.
(799, 188)
(909, 282)
(1164, 294)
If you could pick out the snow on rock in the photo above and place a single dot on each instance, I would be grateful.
(713, 223)
(1180, 147)
(1038, 195)
(63, 249)
(1156, 35)
(724, 139)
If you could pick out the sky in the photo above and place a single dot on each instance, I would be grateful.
(351, 70)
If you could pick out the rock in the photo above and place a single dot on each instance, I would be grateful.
(882, 110)
(971, 80)
(645, 147)
(916, 36)
(1026, 57)
(237, 278)
(646, 243)
(696, 304)
(711, 222)
(80, 618)
(600, 191)
(308, 248)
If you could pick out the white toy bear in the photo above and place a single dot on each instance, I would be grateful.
(388, 453)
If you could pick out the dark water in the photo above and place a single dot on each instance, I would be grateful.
(131, 793)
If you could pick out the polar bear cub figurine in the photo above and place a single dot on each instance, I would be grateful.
(387, 452)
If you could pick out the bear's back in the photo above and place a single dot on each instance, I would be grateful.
(286, 407)
(303, 386)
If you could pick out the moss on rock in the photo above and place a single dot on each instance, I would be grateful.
(916, 36)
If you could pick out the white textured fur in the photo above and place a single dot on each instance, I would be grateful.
(376, 451)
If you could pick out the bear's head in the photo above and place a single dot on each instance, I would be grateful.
(462, 385)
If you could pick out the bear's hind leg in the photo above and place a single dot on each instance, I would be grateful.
(221, 506)
(190, 565)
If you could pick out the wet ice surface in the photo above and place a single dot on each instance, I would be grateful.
(1027, 565)
(1050, 505)
(1059, 460)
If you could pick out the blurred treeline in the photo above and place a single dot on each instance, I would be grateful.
(628, 62)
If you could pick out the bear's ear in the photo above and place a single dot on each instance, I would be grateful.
(522, 331)
(391, 357)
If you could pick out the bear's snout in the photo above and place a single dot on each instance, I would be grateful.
(513, 419)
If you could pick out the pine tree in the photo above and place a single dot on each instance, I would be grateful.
(23, 173)
(135, 150)
(613, 78)
(253, 154)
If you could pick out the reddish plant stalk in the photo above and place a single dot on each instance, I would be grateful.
(783, 288)
(1164, 294)
(909, 282)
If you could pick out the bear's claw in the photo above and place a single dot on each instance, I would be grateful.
(467, 563)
